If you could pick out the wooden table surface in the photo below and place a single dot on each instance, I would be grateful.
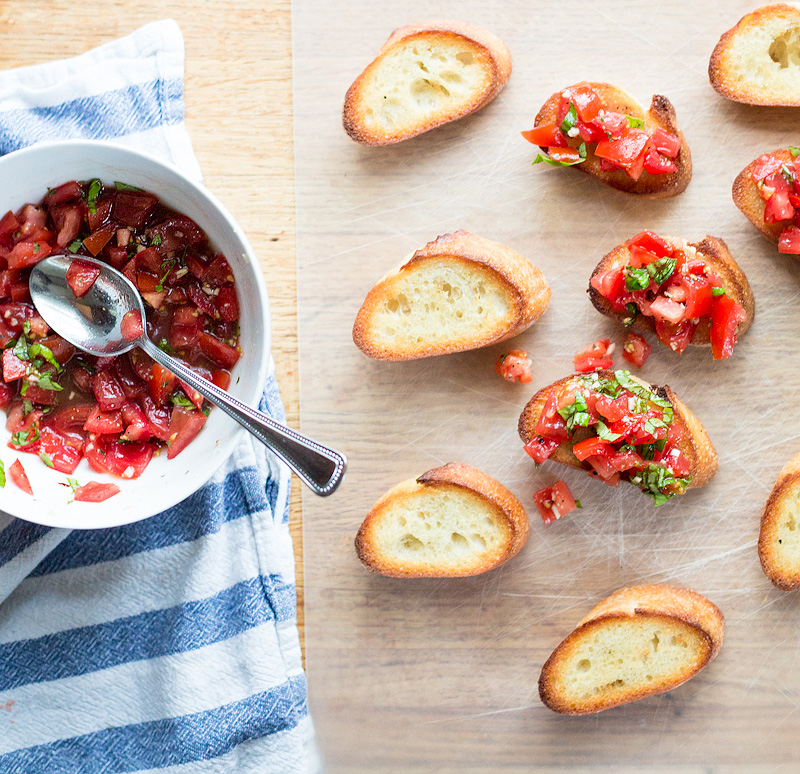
(239, 115)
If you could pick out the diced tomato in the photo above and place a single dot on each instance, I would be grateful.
(609, 284)
(13, 367)
(104, 422)
(8, 224)
(666, 143)
(546, 136)
(58, 451)
(108, 391)
(226, 304)
(591, 447)
(776, 181)
(6, 334)
(676, 337)
(101, 214)
(636, 350)
(550, 423)
(161, 384)
(25, 254)
(625, 150)
(131, 325)
(220, 353)
(726, 315)
(6, 394)
(19, 477)
(765, 165)
(514, 366)
(95, 492)
(67, 221)
(778, 208)
(652, 242)
(789, 241)
(185, 327)
(176, 232)
(586, 100)
(116, 256)
(554, 502)
(602, 468)
(97, 240)
(625, 460)
(593, 132)
(19, 290)
(70, 419)
(667, 310)
(613, 124)
(137, 428)
(157, 417)
(611, 409)
(81, 275)
(32, 219)
(66, 192)
(541, 448)
(656, 164)
(183, 427)
(699, 295)
(106, 454)
(568, 155)
(594, 358)
(133, 208)
(202, 300)
(41, 396)
(221, 378)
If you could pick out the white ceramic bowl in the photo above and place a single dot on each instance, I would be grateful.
(25, 176)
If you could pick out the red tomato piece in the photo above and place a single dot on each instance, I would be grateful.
(667, 310)
(176, 232)
(554, 502)
(226, 304)
(612, 125)
(41, 396)
(8, 224)
(610, 284)
(162, 384)
(546, 136)
(101, 214)
(624, 151)
(541, 448)
(765, 165)
(550, 424)
(789, 241)
(611, 409)
(514, 366)
(656, 164)
(6, 394)
(25, 254)
(95, 492)
(676, 337)
(106, 454)
(220, 353)
(133, 208)
(157, 417)
(59, 451)
(778, 208)
(66, 192)
(104, 422)
(137, 427)
(108, 391)
(71, 419)
(726, 315)
(221, 378)
(652, 243)
(568, 155)
(586, 100)
(202, 300)
(81, 275)
(591, 447)
(13, 367)
(183, 427)
(67, 221)
(32, 219)
(97, 240)
(626, 460)
(594, 358)
(131, 325)
(19, 477)
(666, 143)
(636, 350)
(185, 327)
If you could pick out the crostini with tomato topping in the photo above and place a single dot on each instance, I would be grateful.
(619, 428)
(684, 292)
(602, 131)
(767, 191)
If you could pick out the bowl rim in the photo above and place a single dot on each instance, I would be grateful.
(261, 301)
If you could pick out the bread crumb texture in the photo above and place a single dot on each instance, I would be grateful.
(779, 536)
(758, 61)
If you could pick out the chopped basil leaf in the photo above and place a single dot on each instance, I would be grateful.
(157, 239)
(634, 123)
(164, 344)
(73, 483)
(170, 266)
(553, 163)
(718, 291)
(787, 173)
(570, 119)
(21, 348)
(602, 384)
(2, 475)
(36, 248)
(575, 413)
(578, 504)
(624, 380)
(651, 424)
(46, 459)
(27, 407)
(654, 479)
(179, 399)
(662, 269)
(40, 350)
(633, 310)
(88, 367)
(636, 279)
(46, 383)
(604, 434)
(75, 245)
(794, 151)
(206, 410)
(94, 191)
(125, 187)
(25, 437)
(646, 451)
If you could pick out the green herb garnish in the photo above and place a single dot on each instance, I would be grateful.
(576, 413)
(553, 163)
(95, 186)
(634, 123)
(625, 381)
(604, 434)
(158, 239)
(46, 382)
(25, 437)
(46, 459)
(718, 292)
(633, 310)
(125, 187)
(662, 269)
(75, 245)
(73, 483)
(578, 504)
(179, 399)
(170, 266)
(636, 279)
(2, 475)
(570, 119)
(794, 151)
(654, 479)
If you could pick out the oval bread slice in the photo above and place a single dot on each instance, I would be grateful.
(638, 642)
(459, 292)
(425, 75)
(758, 60)
(711, 249)
(452, 521)
(779, 536)
(661, 115)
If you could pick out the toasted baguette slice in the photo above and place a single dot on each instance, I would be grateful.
(694, 444)
(452, 521)
(758, 60)
(459, 292)
(638, 642)
(425, 75)
(661, 115)
(747, 198)
(779, 536)
(715, 252)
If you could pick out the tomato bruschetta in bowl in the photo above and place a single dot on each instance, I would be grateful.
(687, 293)
(600, 130)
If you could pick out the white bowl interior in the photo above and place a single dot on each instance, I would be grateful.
(25, 177)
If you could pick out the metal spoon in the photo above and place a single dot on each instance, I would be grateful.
(93, 323)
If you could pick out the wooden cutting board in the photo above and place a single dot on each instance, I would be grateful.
(424, 676)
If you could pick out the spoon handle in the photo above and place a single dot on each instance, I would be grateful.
(321, 468)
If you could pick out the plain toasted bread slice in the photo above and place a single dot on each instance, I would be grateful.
(452, 521)
(425, 75)
(758, 60)
(711, 249)
(695, 445)
(459, 292)
(779, 536)
(661, 115)
(747, 198)
(638, 642)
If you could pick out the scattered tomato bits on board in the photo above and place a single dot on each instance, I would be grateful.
(595, 357)
(555, 501)
(514, 366)
(636, 350)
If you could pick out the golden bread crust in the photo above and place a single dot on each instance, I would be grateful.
(512, 274)
(491, 54)
(489, 494)
(711, 249)
(780, 510)
(660, 115)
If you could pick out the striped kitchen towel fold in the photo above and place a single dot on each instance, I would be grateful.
(170, 644)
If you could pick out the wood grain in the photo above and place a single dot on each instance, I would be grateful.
(239, 115)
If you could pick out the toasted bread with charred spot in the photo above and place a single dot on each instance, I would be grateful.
(711, 249)
(638, 642)
(660, 115)
(779, 535)
(425, 75)
(452, 521)
(695, 445)
(459, 292)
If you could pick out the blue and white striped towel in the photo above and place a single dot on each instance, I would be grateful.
(170, 644)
